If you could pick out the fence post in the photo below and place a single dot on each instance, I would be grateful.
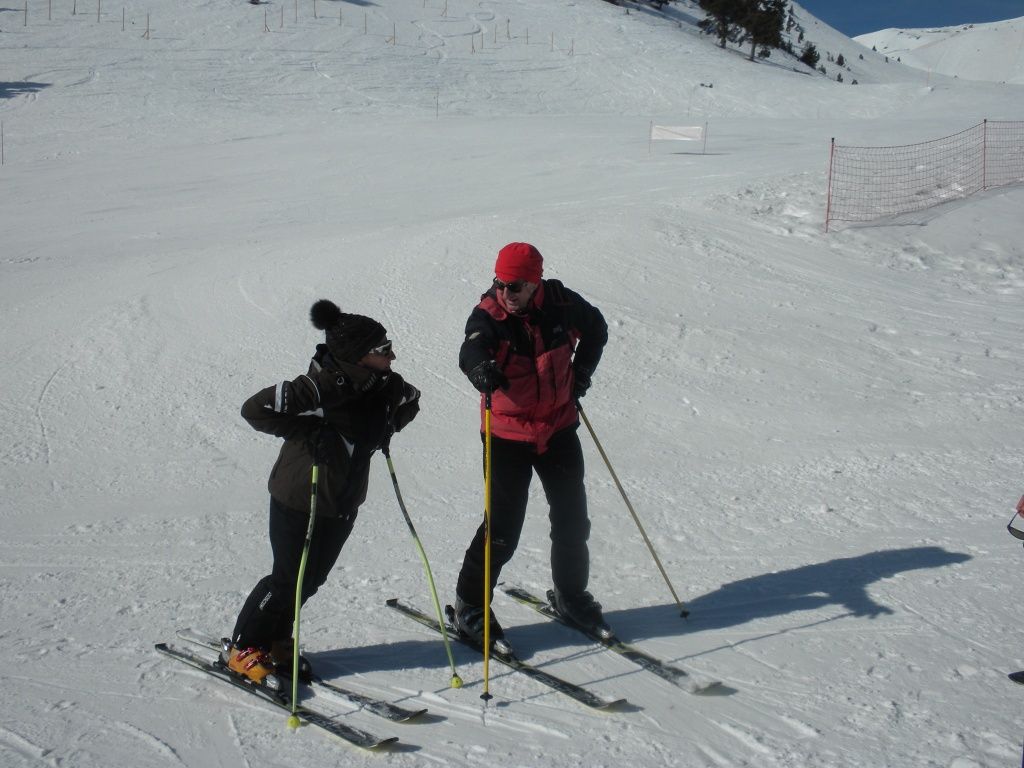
(984, 154)
(828, 204)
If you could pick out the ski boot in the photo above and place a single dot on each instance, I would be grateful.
(582, 610)
(469, 621)
(253, 664)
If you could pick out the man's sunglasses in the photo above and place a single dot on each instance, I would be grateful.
(515, 286)
(383, 350)
(1017, 533)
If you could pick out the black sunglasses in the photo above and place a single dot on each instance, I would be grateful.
(1017, 533)
(515, 286)
(383, 350)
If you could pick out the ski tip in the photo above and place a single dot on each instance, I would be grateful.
(391, 602)
(711, 688)
(618, 705)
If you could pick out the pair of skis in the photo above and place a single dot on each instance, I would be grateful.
(572, 690)
(348, 733)
(673, 674)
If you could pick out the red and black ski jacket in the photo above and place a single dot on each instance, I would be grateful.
(337, 413)
(539, 351)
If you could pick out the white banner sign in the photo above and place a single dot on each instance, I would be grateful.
(677, 132)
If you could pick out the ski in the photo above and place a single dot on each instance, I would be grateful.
(572, 690)
(347, 733)
(371, 704)
(1017, 677)
(675, 675)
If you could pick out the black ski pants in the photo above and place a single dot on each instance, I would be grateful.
(269, 611)
(560, 469)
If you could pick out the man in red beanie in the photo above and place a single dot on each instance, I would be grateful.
(532, 345)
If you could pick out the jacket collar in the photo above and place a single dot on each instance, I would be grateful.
(491, 302)
(357, 374)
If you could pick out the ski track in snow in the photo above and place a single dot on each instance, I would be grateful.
(32, 754)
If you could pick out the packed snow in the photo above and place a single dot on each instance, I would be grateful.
(821, 433)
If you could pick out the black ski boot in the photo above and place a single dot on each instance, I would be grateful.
(469, 621)
(582, 610)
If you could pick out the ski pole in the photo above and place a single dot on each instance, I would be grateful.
(456, 680)
(486, 695)
(682, 609)
(293, 718)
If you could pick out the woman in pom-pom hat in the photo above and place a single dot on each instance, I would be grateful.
(336, 415)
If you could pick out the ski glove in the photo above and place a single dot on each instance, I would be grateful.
(487, 377)
(406, 410)
(582, 381)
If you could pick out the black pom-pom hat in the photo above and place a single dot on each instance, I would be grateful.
(349, 336)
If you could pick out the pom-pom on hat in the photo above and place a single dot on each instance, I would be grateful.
(519, 261)
(349, 337)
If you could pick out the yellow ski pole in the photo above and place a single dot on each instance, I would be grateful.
(293, 718)
(486, 695)
(456, 681)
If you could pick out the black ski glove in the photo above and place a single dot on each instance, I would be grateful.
(582, 381)
(487, 377)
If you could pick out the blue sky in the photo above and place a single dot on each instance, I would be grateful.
(857, 17)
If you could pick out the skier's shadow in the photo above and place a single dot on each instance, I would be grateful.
(841, 582)
(11, 90)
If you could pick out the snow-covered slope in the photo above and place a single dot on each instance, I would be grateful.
(992, 52)
(820, 433)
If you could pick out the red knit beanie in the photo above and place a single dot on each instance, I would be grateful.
(519, 261)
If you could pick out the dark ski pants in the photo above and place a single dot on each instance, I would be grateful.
(269, 611)
(560, 469)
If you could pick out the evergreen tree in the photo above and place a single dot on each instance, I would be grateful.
(722, 17)
(763, 21)
(810, 55)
